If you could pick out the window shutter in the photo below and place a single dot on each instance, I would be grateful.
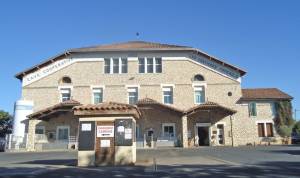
(261, 130)
(269, 130)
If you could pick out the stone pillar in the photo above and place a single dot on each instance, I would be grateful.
(31, 135)
(185, 142)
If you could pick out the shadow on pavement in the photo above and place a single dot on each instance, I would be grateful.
(57, 162)
(291, 152)
(270, 169)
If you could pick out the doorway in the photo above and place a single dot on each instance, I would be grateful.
(203, 136)
(105, 148)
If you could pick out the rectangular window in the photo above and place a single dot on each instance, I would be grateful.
(252, 109)
(141, 65)
(168, 130)
(65, 94)
(116, 65)
(40, 129)
(97, 95)
(158, 66)
(124, 65)
(107, 66)
(199, 95)
(149, 65)
(269, 129)
(273, 109)
(261, 129)
(62, 133)
(132, 95)
(168, 95)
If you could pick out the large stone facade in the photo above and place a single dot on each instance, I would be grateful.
(239, 129)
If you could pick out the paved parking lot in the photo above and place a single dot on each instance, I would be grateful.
(272, 161)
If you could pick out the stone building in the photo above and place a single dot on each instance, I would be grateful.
(183, 97)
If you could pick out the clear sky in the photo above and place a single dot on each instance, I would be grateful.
(262, 37)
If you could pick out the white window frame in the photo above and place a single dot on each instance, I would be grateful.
(165, 87)
(60, 88)
(62, 127)
(168, 125)
(197, 88)
(153, 67)
(111, 67)
(93, 87)
(130, 88)
(40, 127)
(265, 127)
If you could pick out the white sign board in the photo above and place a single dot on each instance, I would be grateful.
(86, 127)
(105, 143)
(121, 128)
(105, 131)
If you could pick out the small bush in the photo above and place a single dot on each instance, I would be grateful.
(285, 131)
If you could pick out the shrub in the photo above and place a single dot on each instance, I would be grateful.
(285, 131)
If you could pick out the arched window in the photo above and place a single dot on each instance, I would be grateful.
(65, 80)
(198, 77)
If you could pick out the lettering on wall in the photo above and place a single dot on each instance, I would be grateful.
(215, 66)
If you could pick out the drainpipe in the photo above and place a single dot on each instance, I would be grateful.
(231, 130)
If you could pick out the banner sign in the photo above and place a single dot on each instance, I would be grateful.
(105, 131)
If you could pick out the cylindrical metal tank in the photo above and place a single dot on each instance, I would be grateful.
(22, 109)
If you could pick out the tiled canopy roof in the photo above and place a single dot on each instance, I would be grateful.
(204, 106)
(210, 106)
(107, 109)
(60, 107)
(105, 106)
(264, 93)
(128, 46)
(149, 101)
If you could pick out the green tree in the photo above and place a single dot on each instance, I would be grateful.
(4, 116)
(297, 127)
(284, 116)
(5, 123)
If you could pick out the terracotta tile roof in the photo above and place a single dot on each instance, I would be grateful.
(67, 105)
(264, 93)
(128, 46)
(210, 106)
(149, 101)
(105, 106)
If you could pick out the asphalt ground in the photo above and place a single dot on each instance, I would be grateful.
(262, 161)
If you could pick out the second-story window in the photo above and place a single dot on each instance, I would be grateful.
(158, 65)
(97, 95)
(141, 65)
(132, 95)
(124, 67)
(168, 95)
(150, 65)
(115, 65)
(199, 94)
(65, 94)
(107, 65)
(252, 109)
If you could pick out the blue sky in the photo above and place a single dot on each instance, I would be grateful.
(261, 37)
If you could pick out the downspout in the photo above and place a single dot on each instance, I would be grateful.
(231, 130)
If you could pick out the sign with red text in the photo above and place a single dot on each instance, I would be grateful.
(105, 131)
